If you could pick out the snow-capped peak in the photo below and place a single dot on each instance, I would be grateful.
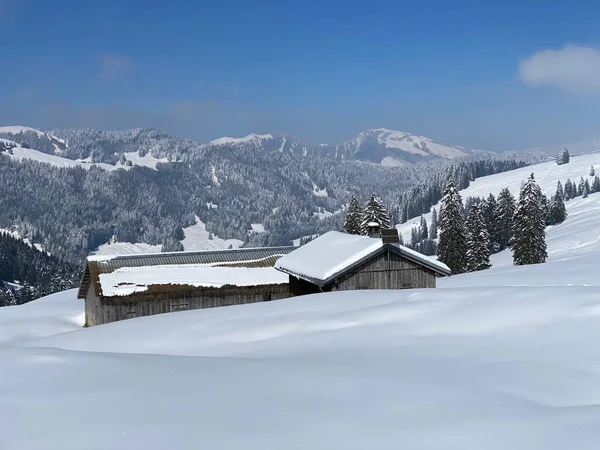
(250, 138)
(401, 141)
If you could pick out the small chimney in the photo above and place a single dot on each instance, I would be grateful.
(390, 236)
(374, 230)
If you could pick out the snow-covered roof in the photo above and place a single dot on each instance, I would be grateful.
(130, 280)
(197, 268)
(333, 253)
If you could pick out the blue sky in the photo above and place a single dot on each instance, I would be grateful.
(491, 75)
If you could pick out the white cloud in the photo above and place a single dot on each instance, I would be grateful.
(572, 68)
(113, 67)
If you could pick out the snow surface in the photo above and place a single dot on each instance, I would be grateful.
(546, 175)
(126, 248)
(147, 160)
(129, 280)
(498, 366)
(50, 315)
(195, 239)
(257, 228)
(332, 252)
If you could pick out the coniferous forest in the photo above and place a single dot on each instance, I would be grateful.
(27, 273)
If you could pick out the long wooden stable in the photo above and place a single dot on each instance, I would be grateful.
(162, 297)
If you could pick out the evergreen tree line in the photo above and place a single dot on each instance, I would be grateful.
(493, 224)
(36, 272)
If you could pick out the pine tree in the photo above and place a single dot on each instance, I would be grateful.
(586, 189)
(374, 212)
(568, 190)
(433, 229)
(545, 206)
(353, 217)
(414, 238)
(489, 210)
(423, 229)
(478, 241)
(529, 227)
(596, 184)
(563, 157)
(558, 211)
(505, 213)
(452, 247)
(581, 186)
(592, 171)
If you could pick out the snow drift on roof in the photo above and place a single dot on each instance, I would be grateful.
(327, 255)
(130, 280)
(332, 253)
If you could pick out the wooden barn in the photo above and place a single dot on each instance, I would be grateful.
(340, 262)
(122, 287)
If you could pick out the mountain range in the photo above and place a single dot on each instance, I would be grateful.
(381, 146)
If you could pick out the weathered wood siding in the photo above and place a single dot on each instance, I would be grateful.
(93, 308)
(385, 270)
(100, 310)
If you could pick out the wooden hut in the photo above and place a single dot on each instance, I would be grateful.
(339, 262)
(122, 287)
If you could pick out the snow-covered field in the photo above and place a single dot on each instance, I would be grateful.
(501, 359)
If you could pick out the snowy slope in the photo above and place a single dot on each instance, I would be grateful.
(57, 313)
(19, 153)
(196, 238)
(500, 359)
(546, 175)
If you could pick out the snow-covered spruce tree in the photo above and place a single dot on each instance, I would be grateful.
(586, 189)
(423, 229)
(452, 247)
(558, 211)
(581, 186)
(489, 210)
(433, 229)
(567, 190)
(596, 184)
(529, 227)
(505, 215)
(563, 157)
(478, 241)
(592, 171)
(414, 238)
(353, 217)
(374, 212)
(545, 208)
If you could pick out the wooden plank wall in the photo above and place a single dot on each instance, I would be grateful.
(385, 271)
(111, 309)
